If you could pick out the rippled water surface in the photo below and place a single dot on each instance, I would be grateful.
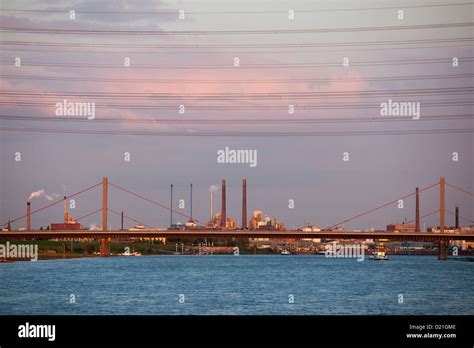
(237, 285)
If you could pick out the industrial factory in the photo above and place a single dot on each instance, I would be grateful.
(259, 230)
(69, 223)
(217, 219)
(258, 221)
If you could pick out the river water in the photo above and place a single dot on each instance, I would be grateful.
(245, 284)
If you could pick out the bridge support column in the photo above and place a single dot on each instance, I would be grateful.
(104, 246)
(244, 204)
(105, 208)
(441, 204)
(417, 212)
(442, 250)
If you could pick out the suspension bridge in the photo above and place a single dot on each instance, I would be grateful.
(202, 229)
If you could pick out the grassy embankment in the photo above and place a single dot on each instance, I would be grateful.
(48, 249)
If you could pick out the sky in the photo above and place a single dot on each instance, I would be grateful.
(282, 62)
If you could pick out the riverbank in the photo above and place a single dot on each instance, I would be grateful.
(50, 249)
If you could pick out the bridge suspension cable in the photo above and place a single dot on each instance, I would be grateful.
(51, 204)
(87, 215)
(153, 202)
(381, 206)
(459, 189)
(424, 215)
(128, 217)
(462, 217)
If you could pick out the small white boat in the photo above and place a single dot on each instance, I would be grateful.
(285, 252)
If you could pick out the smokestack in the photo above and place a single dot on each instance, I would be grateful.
(28, 216)
(417, 228)
(171, 207)
(66, 217)
(223, 208)
(244, 203)
(456, 211)
(191, 215)
(210, 206)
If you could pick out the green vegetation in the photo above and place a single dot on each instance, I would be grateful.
(49, 249)
(55, 249)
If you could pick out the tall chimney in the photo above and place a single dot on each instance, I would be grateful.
(210, 204)
(171, 207)
(456, 212)
(223, 208)
(28, 216)
(417, 228)
(66, 217)
(191, 215)
(244, 204)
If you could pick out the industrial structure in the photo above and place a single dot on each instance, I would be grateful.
(260, 225)
(69, 222)
(223, 206)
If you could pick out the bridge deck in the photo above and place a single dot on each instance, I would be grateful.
(420, 236)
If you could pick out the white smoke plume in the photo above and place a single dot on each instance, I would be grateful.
(93, 227)
(51, 197)
(36, 194)
(41, 193)
(213, 188)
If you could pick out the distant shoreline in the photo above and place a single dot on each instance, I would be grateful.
(50, 257)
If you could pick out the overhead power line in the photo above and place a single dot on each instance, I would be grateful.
(228, 45)
(251, 108)
(332, 64)
(60, 31)
(265, 121)
(233, 81)
(235, 52)
(192, 12)
(240, 134)
(244, 96)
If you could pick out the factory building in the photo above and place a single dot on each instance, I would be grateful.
(260, 221)
(401, 228)
(69, 223)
